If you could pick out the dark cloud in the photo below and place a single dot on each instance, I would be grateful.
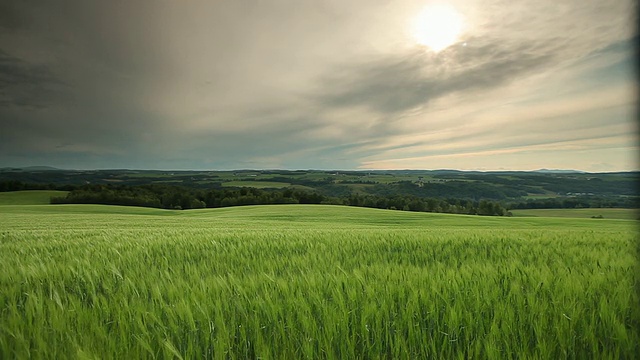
(13, 15)
(398, 83)
(23, 84)
(150, 83)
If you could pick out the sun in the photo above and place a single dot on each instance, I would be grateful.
(437, 26)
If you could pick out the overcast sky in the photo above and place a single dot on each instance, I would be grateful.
(322, 84)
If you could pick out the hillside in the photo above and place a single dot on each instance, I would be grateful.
(312, 281)
(29, 197)
(448, 191)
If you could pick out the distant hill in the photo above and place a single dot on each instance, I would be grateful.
(513, 186)
(559, 171)
(30, 168)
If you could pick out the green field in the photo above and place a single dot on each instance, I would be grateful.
(629, 214)
(29, 197)
(296, 281)
(256, 184)
(541, 196)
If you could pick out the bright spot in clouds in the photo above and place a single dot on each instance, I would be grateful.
(437, 26)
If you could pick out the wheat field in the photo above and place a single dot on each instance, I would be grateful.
(313, 282)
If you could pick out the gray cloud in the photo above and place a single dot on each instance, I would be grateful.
(16, 14)
(25, 85)
(399, 83)
(282, 82)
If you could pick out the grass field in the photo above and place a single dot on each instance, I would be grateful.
(29, 197)
(256, 184)
(629, 214)
(295, 281)
(541, 196)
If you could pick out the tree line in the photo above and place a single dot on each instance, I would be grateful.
(175, 197)
(577, 202)
(179, 197)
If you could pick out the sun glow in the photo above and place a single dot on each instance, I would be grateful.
(437, 26)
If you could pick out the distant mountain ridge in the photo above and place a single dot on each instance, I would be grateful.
(30, 168)
(559, 171)
(403, 171)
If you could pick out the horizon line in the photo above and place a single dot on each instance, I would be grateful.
(52, 168)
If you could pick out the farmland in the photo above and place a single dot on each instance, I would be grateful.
(512, 186)
(29, 197)
(630, 214)
(304, 281)
(256, 184)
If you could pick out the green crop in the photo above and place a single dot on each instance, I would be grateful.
(30, 197)
(293, 282)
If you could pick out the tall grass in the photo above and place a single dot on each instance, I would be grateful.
(29, 197)
(253, 283)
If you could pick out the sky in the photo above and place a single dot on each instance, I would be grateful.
(323, 84)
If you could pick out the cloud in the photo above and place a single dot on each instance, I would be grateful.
(302, 84)
(23, 84)
(398, 83)
(10, 15)
(501, 47)
(605, 112)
